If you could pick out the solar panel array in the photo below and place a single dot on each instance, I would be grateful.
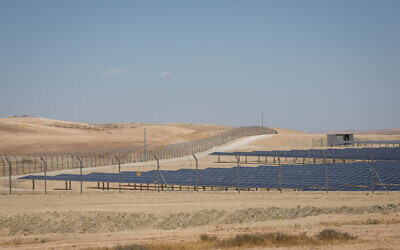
(379, 142)
(384, 153)
(341, 176)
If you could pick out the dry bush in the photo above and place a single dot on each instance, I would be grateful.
(276, 239)
(130, 247)
(326, 236)
(205, 237)
(332, 234)
(119, 247)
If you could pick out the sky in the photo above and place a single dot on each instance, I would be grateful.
(307, 65)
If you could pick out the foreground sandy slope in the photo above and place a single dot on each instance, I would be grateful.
(65, 219)
(25, 135)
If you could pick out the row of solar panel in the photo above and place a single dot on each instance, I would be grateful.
(345, 177)
(348, 153)
(388, 142)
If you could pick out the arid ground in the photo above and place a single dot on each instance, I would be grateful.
(169, 219)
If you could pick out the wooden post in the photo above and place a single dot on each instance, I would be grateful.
(197, 173)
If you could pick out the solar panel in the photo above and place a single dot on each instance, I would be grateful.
(341, 176)
(384, 153)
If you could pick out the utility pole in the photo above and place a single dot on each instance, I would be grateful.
(145, 149)
(262, 121)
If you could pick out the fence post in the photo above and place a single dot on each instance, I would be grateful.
(197, 173)
(16, 165)
(22, 165)
(158, 174)
(279, 174)
(80, 170)
(117, 158)
(4, 167)
(10, 173)
(372, 176)
(45, 173)
(326, 173)
(238, 172)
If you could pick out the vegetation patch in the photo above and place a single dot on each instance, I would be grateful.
(276, 239)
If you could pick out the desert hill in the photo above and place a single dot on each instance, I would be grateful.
(26, 135)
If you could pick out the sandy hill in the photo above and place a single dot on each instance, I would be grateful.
(25, 135)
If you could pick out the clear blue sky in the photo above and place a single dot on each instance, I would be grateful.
(308, 65)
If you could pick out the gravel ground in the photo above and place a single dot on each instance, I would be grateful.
(97, 221)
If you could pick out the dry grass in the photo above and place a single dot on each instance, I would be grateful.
(18, 241)
(276, 239)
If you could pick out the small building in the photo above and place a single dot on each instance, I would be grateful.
(339, 139)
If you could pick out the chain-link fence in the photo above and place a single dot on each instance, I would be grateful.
(24, 164)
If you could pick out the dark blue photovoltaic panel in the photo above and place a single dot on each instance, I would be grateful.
(341, 176)
(384, 153)
(378, 142)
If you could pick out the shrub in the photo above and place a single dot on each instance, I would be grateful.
(332, 234)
